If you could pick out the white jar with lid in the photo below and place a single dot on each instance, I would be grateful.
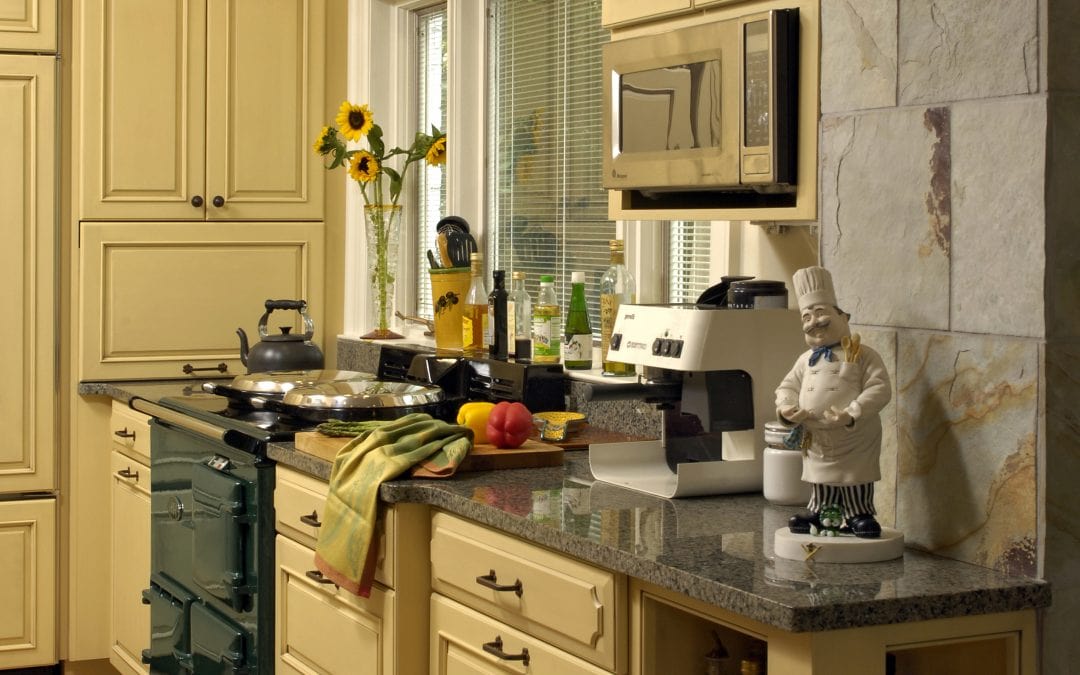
(782, 469)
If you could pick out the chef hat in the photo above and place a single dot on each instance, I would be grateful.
(813, 286)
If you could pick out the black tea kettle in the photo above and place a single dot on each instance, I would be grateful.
(281, 352)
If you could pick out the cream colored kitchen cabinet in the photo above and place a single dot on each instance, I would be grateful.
(199, 109)
(576, 610)
(164, 300)
(28, 592)
(28, 25)
(321, 628)
(617, 13)
(129, 624)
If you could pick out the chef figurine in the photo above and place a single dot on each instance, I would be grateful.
(833, 394)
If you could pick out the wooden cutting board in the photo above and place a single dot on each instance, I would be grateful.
(484, 457)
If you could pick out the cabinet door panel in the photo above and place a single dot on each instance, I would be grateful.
(28, 25)
(616, 12)
(264, 109)
(28, 593)
(27, 289)
(159, 296)
(141, 94)
(130, 563)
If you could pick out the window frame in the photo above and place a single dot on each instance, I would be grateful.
(383, 31)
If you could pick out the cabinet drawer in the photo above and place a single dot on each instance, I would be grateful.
(465, 641)
(130, 433)
(299, 503)
(322, 629)
(572, 605)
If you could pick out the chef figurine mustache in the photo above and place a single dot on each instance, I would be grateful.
(834, 394)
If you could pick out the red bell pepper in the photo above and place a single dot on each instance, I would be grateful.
(509, 424)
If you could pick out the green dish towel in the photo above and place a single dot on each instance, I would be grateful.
(346, 551)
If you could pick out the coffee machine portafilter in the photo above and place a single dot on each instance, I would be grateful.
(712, 372)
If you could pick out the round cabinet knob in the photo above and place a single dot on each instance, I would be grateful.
(197, 201)
(219, 201)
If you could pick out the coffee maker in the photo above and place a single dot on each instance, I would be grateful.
(713, 373)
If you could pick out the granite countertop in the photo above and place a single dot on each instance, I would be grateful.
(714, 549)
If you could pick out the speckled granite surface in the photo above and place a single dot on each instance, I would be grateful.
(715, 549)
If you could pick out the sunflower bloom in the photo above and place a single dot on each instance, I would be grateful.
(364, 167)
(436, 154)
(325, 142)
(354, 120)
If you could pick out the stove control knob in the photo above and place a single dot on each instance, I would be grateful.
(176, 508)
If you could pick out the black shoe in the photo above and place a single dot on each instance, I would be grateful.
(800, 522)
(864, 526)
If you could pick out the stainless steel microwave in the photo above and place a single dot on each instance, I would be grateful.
(707, 107)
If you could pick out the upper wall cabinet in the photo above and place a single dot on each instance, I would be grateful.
(624, 12)
(200, 109)
(28, 25)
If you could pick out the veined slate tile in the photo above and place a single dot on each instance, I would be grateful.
(998, 216)
(885, 215)
(858, 54)
(968, 420)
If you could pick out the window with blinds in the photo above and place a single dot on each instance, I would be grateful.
(689, 246)
(431, 110)
(547, 208)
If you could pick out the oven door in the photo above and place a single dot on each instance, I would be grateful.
(222, 523)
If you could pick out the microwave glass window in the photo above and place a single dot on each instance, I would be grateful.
(756, 77)
(673, 108)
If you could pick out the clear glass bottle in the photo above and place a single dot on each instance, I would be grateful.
(617, 286)
(498, 347)
(577, 337)
(474, 311)
(546, 323)
(519, 318)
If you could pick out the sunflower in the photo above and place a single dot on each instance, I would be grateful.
(436, 154)
(324, 144)
(364, 167)
(355, 120)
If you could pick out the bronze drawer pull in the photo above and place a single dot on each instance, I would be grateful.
(495, 648)
(490, 581)
(124, 433)
(317, 577)
(312, 520)
(189, 369)
(126, 473)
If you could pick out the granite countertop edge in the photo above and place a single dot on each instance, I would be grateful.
(1004, 595)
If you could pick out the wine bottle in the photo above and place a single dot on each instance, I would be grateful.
(499, 346)
(616, 287)
(577, 337)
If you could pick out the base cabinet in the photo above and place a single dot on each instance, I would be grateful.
(28, 590)
(129, 493)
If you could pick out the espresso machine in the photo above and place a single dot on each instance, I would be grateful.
(713, 373)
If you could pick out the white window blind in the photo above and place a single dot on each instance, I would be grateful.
(547, 209)
(431, 110)
(689, 247)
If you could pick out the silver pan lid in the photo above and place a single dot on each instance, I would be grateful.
(282, 381)
(351, 394)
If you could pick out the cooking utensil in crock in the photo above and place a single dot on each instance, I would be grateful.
(443, 244)
(459, 246)
(452, 223)
(286, 351)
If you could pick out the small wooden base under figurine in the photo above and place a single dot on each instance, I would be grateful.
(838, 547)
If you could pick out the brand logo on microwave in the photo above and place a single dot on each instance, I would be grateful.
(616, 174)
(636, 345)
(627, 316)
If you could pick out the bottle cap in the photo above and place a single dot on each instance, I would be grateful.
(547, 279)
(615, 244)
(577, 277)
(517, 275)
(499, 276)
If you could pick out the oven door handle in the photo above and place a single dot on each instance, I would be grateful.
(178, 419)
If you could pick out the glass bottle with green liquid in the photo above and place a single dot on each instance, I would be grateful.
(546, 323)
(577, 338)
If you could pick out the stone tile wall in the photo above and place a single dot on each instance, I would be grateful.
(949, 143)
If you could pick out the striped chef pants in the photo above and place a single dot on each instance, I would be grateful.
(855, 500)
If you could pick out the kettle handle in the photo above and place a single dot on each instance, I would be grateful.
(298, 305)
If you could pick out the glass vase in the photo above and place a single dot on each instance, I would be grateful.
(383, 233)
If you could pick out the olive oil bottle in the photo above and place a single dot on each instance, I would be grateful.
(474, 311)
(616, 287)
(546, 323)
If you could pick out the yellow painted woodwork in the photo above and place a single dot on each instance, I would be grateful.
(181, 102)
(158, 296)
(619, 12)
(28, 25)
(27, 269)
(28, 591)
(458, 636)
(130, 433)
(574, 606)
(130, 562)
(323, 629)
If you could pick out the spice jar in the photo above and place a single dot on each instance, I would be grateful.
(782, 468)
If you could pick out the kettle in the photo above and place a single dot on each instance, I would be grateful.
(281, 352)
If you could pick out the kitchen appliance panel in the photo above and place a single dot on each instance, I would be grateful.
(170, 642)
(218, 645)
(220, 521)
